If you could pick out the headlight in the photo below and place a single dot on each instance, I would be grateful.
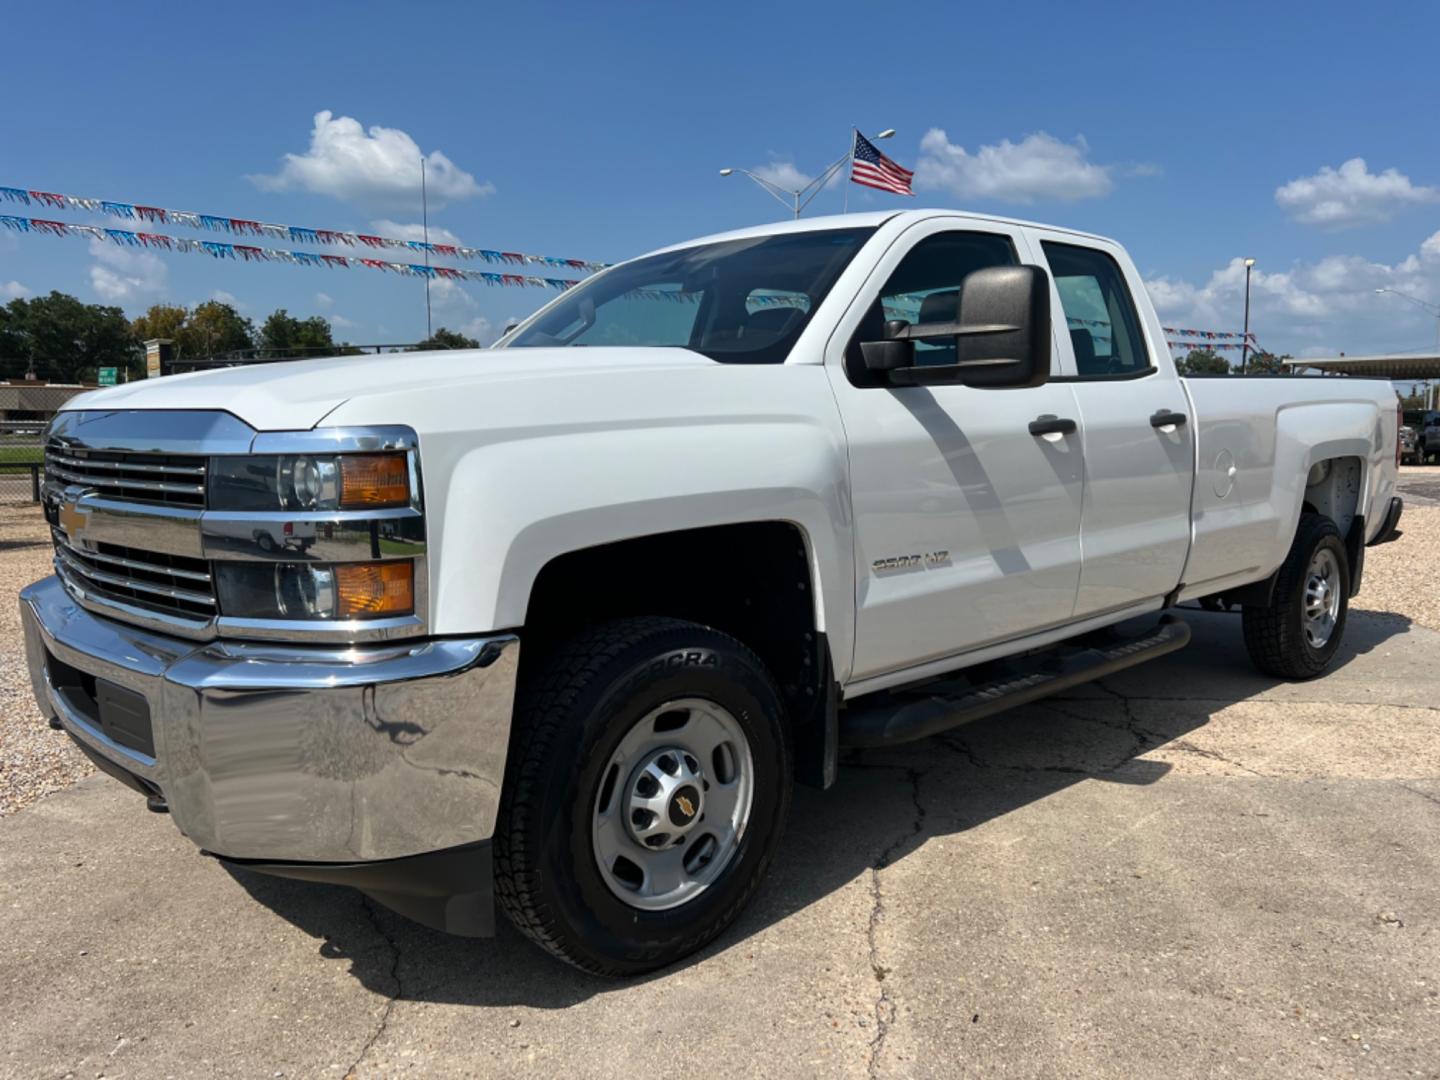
(316, 591)
(310, 482)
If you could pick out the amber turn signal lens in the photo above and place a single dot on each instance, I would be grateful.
(374, 480)
(365, 590)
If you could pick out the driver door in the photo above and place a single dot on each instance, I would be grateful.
(967, 525)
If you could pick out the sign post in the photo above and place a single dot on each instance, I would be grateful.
(107, 376)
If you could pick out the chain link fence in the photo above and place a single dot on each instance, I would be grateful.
(26, 406)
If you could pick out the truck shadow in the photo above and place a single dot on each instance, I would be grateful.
(887, 804)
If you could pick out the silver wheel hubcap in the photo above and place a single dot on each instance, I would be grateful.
(673, 804)
(1322, 598)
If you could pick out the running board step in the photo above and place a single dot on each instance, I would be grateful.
(899, 717)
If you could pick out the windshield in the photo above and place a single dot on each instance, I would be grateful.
(737, 301)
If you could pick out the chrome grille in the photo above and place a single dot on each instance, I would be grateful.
(171, 479)
(169, 584)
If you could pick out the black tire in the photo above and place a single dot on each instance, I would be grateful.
(1275, 635)
(569, 720)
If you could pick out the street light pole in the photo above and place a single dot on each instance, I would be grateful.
(796, 200)
(1433, 309)
(1245, 340)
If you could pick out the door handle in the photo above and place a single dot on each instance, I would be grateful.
(1166, 418)
(1051, 425)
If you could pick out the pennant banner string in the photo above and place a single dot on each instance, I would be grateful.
(1195, 346)
(292, 233)
(250, 253)
(1208, 335)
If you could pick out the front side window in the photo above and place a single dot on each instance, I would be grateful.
(925, 288)
(1099, 313)
(736, 301)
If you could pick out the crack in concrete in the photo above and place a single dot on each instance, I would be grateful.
(398, 993)
(884, 1003)
(1423, 794)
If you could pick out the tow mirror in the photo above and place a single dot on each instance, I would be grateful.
(1001, 333)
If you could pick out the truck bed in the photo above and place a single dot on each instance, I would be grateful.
(1269, 430)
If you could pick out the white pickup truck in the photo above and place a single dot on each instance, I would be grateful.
(572, 613)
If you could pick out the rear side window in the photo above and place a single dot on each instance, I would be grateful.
(1099, 312)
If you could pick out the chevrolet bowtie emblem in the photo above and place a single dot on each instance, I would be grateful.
(72, 519)
(686, 806)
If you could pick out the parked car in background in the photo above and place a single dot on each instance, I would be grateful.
(744, 501)
(1425, 424)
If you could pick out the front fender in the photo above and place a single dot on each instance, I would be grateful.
(521, 469)
(512, 507)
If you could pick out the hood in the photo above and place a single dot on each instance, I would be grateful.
(295, 395)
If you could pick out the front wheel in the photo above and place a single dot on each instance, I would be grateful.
(646, 789)
(1297, 634)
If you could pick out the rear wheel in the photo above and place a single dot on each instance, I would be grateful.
(1297, 634)
(647, 786)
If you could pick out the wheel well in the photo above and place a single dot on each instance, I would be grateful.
(1333, 489)
(751, 581)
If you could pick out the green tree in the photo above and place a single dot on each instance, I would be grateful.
(446, 339)
(1204, 362)
(65, 340)
(1266, 363)
(211, 329)
(283, 333)
(161, 321)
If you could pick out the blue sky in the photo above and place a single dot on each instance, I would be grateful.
(1194, 134)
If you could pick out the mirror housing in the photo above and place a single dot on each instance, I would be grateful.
(1001, 332)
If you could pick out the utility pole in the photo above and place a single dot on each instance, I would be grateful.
(1245, 341)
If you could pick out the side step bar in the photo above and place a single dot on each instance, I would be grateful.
(901, 716)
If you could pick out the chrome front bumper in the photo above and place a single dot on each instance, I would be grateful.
(291, 753)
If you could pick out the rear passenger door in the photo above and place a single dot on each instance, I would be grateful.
(1139, 472)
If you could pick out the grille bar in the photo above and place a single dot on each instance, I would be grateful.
(104, 577)
(137, 485)
(128, 466)
(133, 564)
(170, 479)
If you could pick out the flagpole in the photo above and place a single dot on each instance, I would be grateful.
(849, 168)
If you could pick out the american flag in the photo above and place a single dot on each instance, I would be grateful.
(870, 167)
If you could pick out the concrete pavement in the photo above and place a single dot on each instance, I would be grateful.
(1188, 870)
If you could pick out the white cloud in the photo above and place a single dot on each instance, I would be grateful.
(1320, 307)
(378, 165)
(340, 322)
(223, 297)
(395, 230)
(12, 290)
(1039, 166)
(324, 300)
(122, 276)
(1351, 195)
(480, 329)
(783, 173)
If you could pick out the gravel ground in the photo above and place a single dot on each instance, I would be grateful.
(1400, 577)
(35, 761)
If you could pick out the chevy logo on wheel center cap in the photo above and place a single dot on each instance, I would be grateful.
(682, 807)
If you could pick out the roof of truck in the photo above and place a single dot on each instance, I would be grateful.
(873, 219)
